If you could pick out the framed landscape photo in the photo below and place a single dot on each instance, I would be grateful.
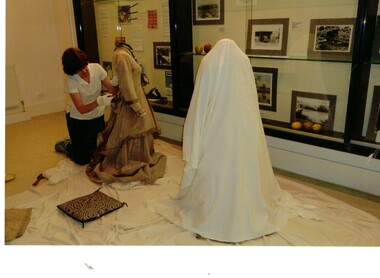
(374, 117)
(376, 43)
(162, 55)
(267, 36)
(266, 85)
(207, 12)
(317, 108)
(331, 39)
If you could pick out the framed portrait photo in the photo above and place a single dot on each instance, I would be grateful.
(207, 12)
(266, 85)
(331, 39)
(374, 117)
(317, 108)
(162, 55)
(267, 36)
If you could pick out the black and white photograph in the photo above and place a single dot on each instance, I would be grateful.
(331, 39)
(208, 12)
(162, 55)
(124, 13)
(266, 85)
(317, 108)
(267, 36)
(169, 85)
(107, 65)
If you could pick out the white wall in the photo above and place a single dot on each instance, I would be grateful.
(135, 33)
(37, 33)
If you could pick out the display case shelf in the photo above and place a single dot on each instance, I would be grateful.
(289, 58)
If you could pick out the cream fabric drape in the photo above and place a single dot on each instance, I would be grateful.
(228, 190)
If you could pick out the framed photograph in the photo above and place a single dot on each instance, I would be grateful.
(267, 36)
(374, 117)
(317, 108)
(376, 43)
(162, 55)
(124, 14)
(208, 12)
(331, 39)
(107, 65)
(266, 85)
(169, 85)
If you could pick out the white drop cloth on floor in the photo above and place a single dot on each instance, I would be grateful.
(340, 225)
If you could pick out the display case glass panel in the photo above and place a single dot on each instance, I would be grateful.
(315, 63)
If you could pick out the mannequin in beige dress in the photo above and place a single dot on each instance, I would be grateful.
(127, 152)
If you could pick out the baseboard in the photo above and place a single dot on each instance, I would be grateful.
(171, 126)
(46, 108)
(17, 117)
(36, 110)
(349, 170)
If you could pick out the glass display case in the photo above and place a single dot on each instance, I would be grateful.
(316, 63)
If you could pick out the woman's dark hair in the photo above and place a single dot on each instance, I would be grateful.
(73, 60)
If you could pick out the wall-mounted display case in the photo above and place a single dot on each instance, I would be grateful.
(317, 80)
(316, 63)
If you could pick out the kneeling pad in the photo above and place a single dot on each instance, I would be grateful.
(90, 207)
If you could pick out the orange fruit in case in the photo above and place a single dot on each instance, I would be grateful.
(296, 125)
(317, 127)
(308, 125)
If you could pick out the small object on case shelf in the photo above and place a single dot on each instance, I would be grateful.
(377, 136)
(154, 95)
(296, 125)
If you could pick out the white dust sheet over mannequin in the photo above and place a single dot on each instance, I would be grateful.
(228, 192)
(340, 225)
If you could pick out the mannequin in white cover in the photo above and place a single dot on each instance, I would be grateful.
(228, 190)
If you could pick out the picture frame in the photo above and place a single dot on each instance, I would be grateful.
(162, 55)
(376, 43)
(107, 65)
(267, 36)
(168, 85)
(331, 39)
(266, 85)
(124, 14)
(314, 107)
(374, 117)
(208, 13)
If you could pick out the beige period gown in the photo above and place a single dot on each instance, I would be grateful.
(127, 152)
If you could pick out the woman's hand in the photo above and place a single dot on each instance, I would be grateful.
(105, 100)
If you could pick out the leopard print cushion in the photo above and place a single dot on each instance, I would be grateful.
(90, 207)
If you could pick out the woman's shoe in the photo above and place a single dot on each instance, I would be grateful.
(61, 146)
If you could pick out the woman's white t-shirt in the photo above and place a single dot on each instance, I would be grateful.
(88, 91)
